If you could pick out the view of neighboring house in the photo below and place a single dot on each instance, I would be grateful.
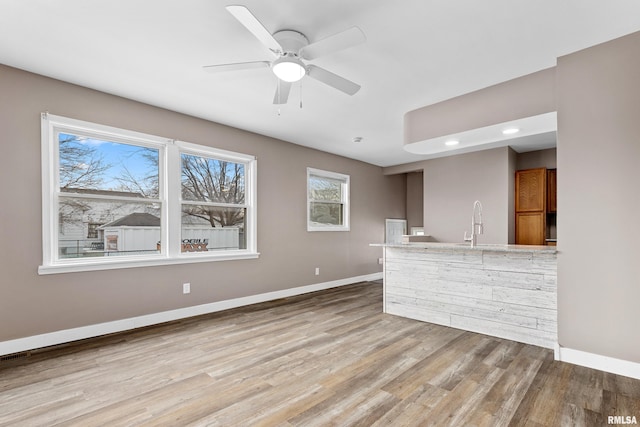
(80, 221)
(118, 229)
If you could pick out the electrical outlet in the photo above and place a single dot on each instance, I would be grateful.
(186, 288)
(380, 261)
(317, 271)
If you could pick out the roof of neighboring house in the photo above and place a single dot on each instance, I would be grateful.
(136, 219)
(194, 220)
(102, 192)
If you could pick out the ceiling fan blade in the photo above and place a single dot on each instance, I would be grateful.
(333, 80)
(246, 18)
(236, 66)
(282, 92)
(343, 40)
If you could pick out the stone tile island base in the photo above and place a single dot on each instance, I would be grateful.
(507, 291)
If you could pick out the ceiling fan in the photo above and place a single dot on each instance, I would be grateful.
(290, 48)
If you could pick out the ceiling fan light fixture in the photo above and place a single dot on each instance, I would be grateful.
(289, 69)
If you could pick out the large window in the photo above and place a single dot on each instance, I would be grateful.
(114, 198)
(327, 201)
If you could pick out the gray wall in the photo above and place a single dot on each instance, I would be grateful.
(31, 304)
(452, 184)
(512, 167)
(537, 159)
(599, 199)
(415, 197)
(525, 96)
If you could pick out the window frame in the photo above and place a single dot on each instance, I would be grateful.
(169, 198)
(250, 196)
(345, 200)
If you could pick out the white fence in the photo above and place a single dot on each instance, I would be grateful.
(215, 238)
(127, 239)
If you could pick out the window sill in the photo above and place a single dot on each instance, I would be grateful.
(310, 228)
(73, 267)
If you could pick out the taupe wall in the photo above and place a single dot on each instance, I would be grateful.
(537, 159)
(599, 200)
(525, 96)
(452, 184)
(415, 197)
(31, 304)
(512, 167)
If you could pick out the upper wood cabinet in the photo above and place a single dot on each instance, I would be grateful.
(531, 190)
(551, 190)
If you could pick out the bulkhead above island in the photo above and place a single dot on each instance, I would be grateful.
(507, 291)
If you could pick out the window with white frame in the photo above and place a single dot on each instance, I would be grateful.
(213, 205)
(114, 198)
(327, 201)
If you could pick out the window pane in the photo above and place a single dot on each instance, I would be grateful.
(125, 228)
(210, 228)
(321, 188)
(96, 166)
(322, 213)
(211, 180)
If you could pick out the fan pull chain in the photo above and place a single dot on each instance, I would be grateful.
(278, 94)
(300, 94)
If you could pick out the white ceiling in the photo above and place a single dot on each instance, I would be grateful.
(418, 52)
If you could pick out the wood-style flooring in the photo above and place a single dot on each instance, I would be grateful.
(330, 358)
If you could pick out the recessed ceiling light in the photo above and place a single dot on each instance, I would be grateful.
(510, 131)
(452, 142)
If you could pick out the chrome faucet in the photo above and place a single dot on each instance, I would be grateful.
(476, 227)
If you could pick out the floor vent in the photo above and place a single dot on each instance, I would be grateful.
(15, 356)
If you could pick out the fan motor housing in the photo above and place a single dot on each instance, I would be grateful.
(291, 41)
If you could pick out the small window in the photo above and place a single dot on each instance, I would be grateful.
(92, 230)
(327, 201)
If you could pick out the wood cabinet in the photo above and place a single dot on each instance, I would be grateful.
(551, 190)
(531, 228)
(531, 190)
(533, 199)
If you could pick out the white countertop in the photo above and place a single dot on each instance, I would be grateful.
(467, 247)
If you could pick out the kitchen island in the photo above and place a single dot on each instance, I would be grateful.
(507, 291)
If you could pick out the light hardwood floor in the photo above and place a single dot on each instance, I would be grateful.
(323, 359)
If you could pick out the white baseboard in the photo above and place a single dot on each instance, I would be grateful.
(597, 361)
(556, 351)
(68, 335)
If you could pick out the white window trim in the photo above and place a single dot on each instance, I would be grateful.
(345, 198)
(169, 197)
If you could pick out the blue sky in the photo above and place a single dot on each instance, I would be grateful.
(120, 157)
